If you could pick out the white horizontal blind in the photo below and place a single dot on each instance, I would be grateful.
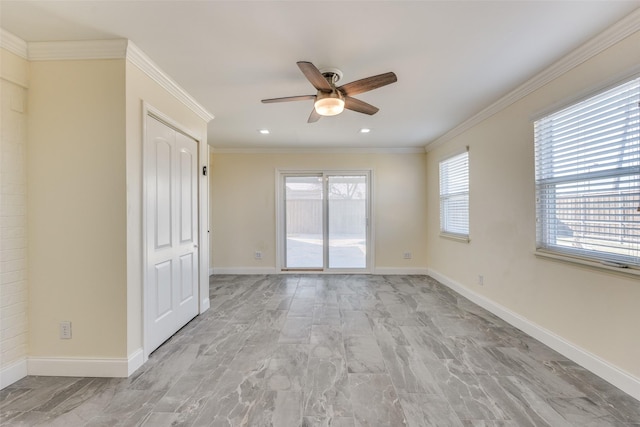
(588, 177)
(454, 195)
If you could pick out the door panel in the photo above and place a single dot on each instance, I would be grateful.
(304, 224)
(162, 290)
(187, 211)
(171, 222)
(163, 191)
(186, 277)
(347, 220)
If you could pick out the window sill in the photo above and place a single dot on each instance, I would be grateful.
(455, 237)
(630, 271)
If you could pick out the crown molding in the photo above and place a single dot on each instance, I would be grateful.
(138, 58)
(318, 150)
(612, 35)
(102, 49)
(13, 44)
(77, 50)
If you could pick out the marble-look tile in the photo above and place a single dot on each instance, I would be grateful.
(276, 350)
(287, 367)
(296, 330)
(301, 307)
(327, 393)
(161, 419)
(388, 328)
(166, 370)
(407, 371)
(326, 315)
(538, 376)
(236, 393)
(26, 419)
(287, 409)
(278, 302)
(581, 411)
(402, 308)
(305, 292)
(190, 391)
(518, 402)
(534, 404)
(355, 323)
(363, 355)
(425, 410)
(326, 342)
(622, 406)
(465, 394)
(327, 297)
(327, 422)
(426, 341)
(228, 340)
(368, 388)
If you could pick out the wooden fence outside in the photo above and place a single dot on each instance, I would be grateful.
(346, 216)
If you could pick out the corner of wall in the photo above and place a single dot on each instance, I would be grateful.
(14, 81)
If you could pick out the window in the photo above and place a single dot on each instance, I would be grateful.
(588, 178)
(454, 195)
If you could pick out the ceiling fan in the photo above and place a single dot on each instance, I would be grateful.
(331, 100)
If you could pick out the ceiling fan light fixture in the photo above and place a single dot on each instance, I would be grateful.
(329, 106)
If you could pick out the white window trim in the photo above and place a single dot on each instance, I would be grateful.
(625, 270)
(463, 238)
(457, 237)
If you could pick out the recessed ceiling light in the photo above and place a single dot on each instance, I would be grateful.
(365, 130)
(264, 131)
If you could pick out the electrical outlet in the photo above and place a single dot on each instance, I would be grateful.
(406, 255)
(257, 255)
(481, 280)
(65, 330)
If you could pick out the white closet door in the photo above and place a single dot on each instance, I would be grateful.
(171, 294)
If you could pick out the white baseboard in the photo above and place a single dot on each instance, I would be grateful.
(273, 270)
(243, 270)
(400, 270)
(13, 372)
(79, 367)
(136, 359)
(205, 304)
(70, 367)
(605, 370)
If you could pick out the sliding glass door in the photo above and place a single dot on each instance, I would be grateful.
(325, 218)
(304, 224)
(347, 214)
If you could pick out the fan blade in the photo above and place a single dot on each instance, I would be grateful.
(367, 84)
(359, 106)
(289, 98)
(314, 116)
(314, 76)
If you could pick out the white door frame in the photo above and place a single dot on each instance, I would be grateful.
(280, 219)
(203, 221)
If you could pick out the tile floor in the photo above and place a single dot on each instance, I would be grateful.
(333, 350)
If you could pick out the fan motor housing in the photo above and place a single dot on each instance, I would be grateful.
(333, 75)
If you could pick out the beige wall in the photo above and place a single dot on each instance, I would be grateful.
(140, 87)
(77, 208)
(243, 205)
(84, 172)
(14, 81)
(593, 309)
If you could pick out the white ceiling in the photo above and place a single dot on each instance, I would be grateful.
(452, 58)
